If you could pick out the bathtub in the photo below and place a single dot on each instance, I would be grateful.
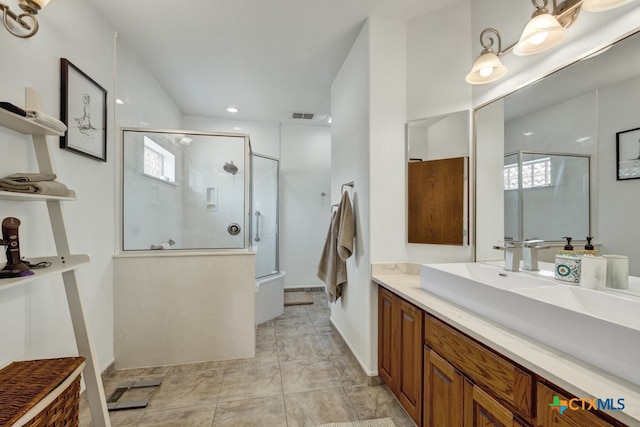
(269, 297)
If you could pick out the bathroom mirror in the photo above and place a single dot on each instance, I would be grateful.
(184, 190)
(437, 179)
(574, 112)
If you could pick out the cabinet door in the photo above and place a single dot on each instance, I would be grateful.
(443, 392)
(386, 341)
(481, 410)
(410, 359)
(550, 417)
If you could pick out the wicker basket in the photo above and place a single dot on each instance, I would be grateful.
(39, 393)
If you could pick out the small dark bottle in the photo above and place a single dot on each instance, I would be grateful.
(568, 246)
(589, 246)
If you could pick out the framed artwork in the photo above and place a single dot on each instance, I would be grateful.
(83, 108)
(628, 154)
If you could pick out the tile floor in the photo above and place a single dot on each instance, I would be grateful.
(303, 375)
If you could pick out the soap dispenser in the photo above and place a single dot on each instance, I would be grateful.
(568, 246)
(589, 246)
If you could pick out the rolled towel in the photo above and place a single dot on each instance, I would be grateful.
(31, 177)
(49, 188)
(46, 120)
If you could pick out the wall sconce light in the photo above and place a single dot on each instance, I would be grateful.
(488, 67)
(27, 20)
(544, 31)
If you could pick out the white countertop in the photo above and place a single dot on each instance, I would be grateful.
(573, 375)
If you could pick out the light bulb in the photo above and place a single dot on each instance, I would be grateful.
(538, 38)
(486, 71)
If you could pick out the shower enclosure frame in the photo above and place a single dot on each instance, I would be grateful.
(277, 213)
(247, 200)
(520, 154)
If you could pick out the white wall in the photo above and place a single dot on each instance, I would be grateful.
(265, 136)
(145, 103)
(34, 319)
(305, 174)
(437, 62)
(388, 115)
(350, 129)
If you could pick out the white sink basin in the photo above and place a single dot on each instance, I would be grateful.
(603, 305)
(599, 327)
(494, 276)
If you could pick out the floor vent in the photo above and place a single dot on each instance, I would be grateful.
(303, 116)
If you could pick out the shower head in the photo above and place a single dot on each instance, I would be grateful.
(230, 168)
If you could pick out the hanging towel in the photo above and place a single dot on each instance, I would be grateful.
(332, 270)
(344, 229)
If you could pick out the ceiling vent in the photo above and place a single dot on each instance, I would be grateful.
(303, 116)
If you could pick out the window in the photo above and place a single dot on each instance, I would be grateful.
(158, 162)
(535, 173)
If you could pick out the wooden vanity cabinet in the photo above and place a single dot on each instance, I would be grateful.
(508, 383)
(443, 392)
(482, 410)
(451, 398)
(443, 378)
(549, 417)
(400, 350)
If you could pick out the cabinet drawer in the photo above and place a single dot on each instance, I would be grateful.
(548, 417)
(507, 382)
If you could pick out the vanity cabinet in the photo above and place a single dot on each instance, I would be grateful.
(457, 373)
(443, 392)
(400, 334)
(549, 417)
(508, 383)
(443, 378)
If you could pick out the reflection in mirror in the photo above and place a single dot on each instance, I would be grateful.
(184, 190)
(437, 151)
(576, 111)
(546, 196)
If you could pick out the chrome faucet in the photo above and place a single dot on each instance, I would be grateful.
(530, 254)
(512, 255)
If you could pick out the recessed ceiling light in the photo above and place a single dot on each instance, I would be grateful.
(329, 120)
(583, 139)
(527, 133)
(237, 128)
(119, 101)
(232, 110)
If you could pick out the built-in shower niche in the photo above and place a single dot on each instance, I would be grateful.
(185, 190)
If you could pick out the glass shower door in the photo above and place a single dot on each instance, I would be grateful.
(265, 215)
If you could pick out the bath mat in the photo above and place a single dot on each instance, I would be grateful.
(380, 422)
(297, 298)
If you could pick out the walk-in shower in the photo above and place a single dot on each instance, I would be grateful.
(185, 190)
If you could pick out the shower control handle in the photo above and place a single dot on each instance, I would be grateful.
(258, 214)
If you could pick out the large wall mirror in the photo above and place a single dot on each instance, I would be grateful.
(547, 157)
